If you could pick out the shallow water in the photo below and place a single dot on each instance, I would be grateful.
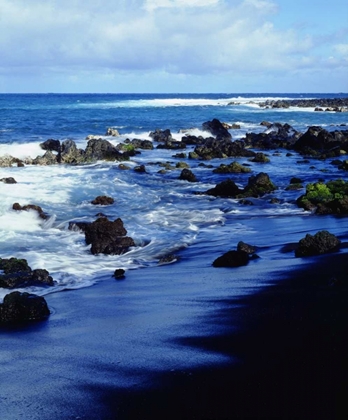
(161, 213)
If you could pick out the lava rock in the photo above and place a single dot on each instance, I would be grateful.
(187, 175)
(22, 307)
(321, 243)
(232, 259)
(107, 237)
(103, 200)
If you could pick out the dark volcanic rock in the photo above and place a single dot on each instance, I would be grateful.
(22, 307)
(233, 167)
(258, 185)
(226, 189)
(187, 175)
(18, 207)
(321, 243)
(51, 145)
(162, 136)
(232, 259)
(217, 129)
(17, 273)
(78, 226)
(8, 180)
(107, 237)
(319, 142)
(70, 153)
(222, 148)
(99, 149)
(119, 274)
(103, 200)
(277, 135)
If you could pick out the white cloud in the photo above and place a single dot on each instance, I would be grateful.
(194, 37)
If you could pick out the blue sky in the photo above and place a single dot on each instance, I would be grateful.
(173, 46)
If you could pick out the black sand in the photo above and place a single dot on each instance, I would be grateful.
(289, 357)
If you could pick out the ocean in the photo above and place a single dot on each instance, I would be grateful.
(164, 215)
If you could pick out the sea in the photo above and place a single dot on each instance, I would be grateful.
(163, 214)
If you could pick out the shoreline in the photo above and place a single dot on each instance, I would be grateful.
(277, 353)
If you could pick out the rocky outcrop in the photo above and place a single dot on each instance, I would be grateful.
(187, 175)
(102, 150)
(107, 237)
(112, 132)
(329, 198)
(51, 145)
(17, 273)
(38, 209)
(318, 142)
(161, 136)
(232, 259)
(103, 200)
(217, 129)
(258, 185)
(276, 136)
(221, 148)
(321, 243)
(22, 307)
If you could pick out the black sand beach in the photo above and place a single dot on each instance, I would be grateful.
(283, 351)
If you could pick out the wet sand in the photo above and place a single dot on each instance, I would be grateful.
(280, 353)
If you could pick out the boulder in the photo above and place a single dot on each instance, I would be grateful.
(221, 148)
(51, 145)
(103, 200)
(107, 237)
(258, 185)
(187, 175)
(162, 136)
(22, 307)
(232, 259)
(17, 273)
(48, 158)
(321, 243)
(227, 189)
(99, 149)
(38, 209)
(8, 180)
(70, 153)
(249, 249)
(217, 129)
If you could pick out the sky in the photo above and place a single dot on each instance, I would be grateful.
(173, 46)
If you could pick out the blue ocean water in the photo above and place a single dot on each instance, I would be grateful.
(161, 213)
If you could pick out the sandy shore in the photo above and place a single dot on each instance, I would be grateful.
(145, 348)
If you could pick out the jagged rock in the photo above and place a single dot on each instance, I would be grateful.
(18, 207)
(226, 189)
(51, 145)
(276, 135)
(78, 226)
(321, 243)
(162, 136)
(232, 259)
(70, 153)
(17, 273)
(221, 148)
(8, 180)
(258, 185)
(187, 175)
(99, 149)
(47, 159)
(141, 144)
(103, 200)
(319, 142)
(107, 237)
(22, 307)
(216, 128)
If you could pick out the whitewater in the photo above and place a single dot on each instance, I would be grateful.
(164, 215)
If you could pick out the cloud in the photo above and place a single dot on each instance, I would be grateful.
(173, 36)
